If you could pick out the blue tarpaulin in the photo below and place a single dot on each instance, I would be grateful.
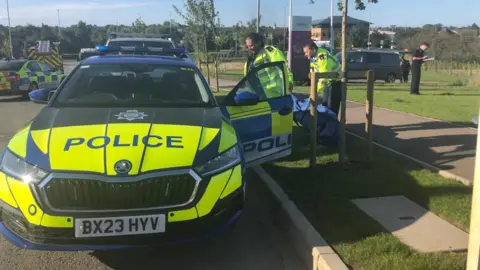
(327, 122)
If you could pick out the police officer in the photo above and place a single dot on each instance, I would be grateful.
(261, 54)
(405, 66)
(321, 60)
(417, 61)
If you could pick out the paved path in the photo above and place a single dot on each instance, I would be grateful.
(255, 243)
(446, 146)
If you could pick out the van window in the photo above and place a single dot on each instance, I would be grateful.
(373, 58)
(390, 59)
(356, 58)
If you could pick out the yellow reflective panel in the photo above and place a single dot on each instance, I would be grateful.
(234, 183)
(5, 193)
(237, 112)
(208, 134)
(18, 144)
(170, 146)
(26, 202)
(126, 143)
(228, 138)
(40, 138)
(282, 124)
(78, 148)
(182, 215)
(57, 222)
(212, 193)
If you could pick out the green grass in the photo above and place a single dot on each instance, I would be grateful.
(448, 103)
(324, 193)
(443, 99)
(444, 78)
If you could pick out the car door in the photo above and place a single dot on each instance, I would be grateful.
(356, 65)
(262, 114)
(35, 74)
(52, 77)
(374, 63)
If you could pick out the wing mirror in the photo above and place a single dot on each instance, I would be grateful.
(246, 99)
(41, 96)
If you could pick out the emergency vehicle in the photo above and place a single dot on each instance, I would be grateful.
(41, 67)
(133, 149)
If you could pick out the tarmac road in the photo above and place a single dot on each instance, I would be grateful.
(256, 242)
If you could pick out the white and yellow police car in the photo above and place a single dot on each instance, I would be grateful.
(133, 149)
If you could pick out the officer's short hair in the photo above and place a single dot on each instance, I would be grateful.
(311, 46)
(256, 38)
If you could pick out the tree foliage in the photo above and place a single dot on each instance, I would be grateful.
(357, 37)
(202, 21)
(359, 4)
(80, 35)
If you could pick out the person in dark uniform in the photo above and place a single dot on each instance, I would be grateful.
(405, 65)
(417, 61)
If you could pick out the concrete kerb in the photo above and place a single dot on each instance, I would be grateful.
(302, 233)
(430, 167)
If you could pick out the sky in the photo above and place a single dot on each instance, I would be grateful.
(385, 13)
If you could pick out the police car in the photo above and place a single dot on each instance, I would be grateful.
(134, 150)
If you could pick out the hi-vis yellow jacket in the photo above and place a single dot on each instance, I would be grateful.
(267, 55)
(324, 61)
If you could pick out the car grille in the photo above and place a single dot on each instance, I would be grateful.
(84, 195)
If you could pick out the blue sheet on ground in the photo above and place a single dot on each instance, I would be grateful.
(327, 122)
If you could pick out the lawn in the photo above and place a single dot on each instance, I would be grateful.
(439, 98)
(324, 195)
(449, 103)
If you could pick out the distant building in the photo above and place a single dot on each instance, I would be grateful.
(321, 28)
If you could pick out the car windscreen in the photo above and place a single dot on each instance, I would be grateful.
(141, 43)
(134, 84)
(14, 65)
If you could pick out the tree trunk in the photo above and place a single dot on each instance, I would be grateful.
(343, 147)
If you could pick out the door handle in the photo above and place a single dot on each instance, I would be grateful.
(285, 110)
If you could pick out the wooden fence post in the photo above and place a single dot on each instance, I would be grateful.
(216, 75)
(369, 112)
(313, 118)
(208, 70)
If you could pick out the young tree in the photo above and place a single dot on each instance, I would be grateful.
(343, 6)
(202, 20)
(359, 4)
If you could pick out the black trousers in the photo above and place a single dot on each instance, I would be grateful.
(405, 75)
(415, 84)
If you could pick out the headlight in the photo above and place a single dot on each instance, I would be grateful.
(225, 160)
(21, 170)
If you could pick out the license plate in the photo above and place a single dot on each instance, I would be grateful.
(115, 226)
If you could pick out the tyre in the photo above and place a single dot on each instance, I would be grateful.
(31, 87)
(391, 78)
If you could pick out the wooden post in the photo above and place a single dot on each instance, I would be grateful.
(343, 119)
(313, 118)
(216, 75)
(208, 70)
(369, 112)
(473, 258)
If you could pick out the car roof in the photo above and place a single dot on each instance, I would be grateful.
(138, 59)
(141, 39)
(376, 51)
(14, 61)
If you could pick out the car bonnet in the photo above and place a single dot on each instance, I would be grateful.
(94, 140)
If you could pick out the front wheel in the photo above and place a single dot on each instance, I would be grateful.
(31, 87)
(391, 77)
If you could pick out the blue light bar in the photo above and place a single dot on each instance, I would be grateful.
(140, 50)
